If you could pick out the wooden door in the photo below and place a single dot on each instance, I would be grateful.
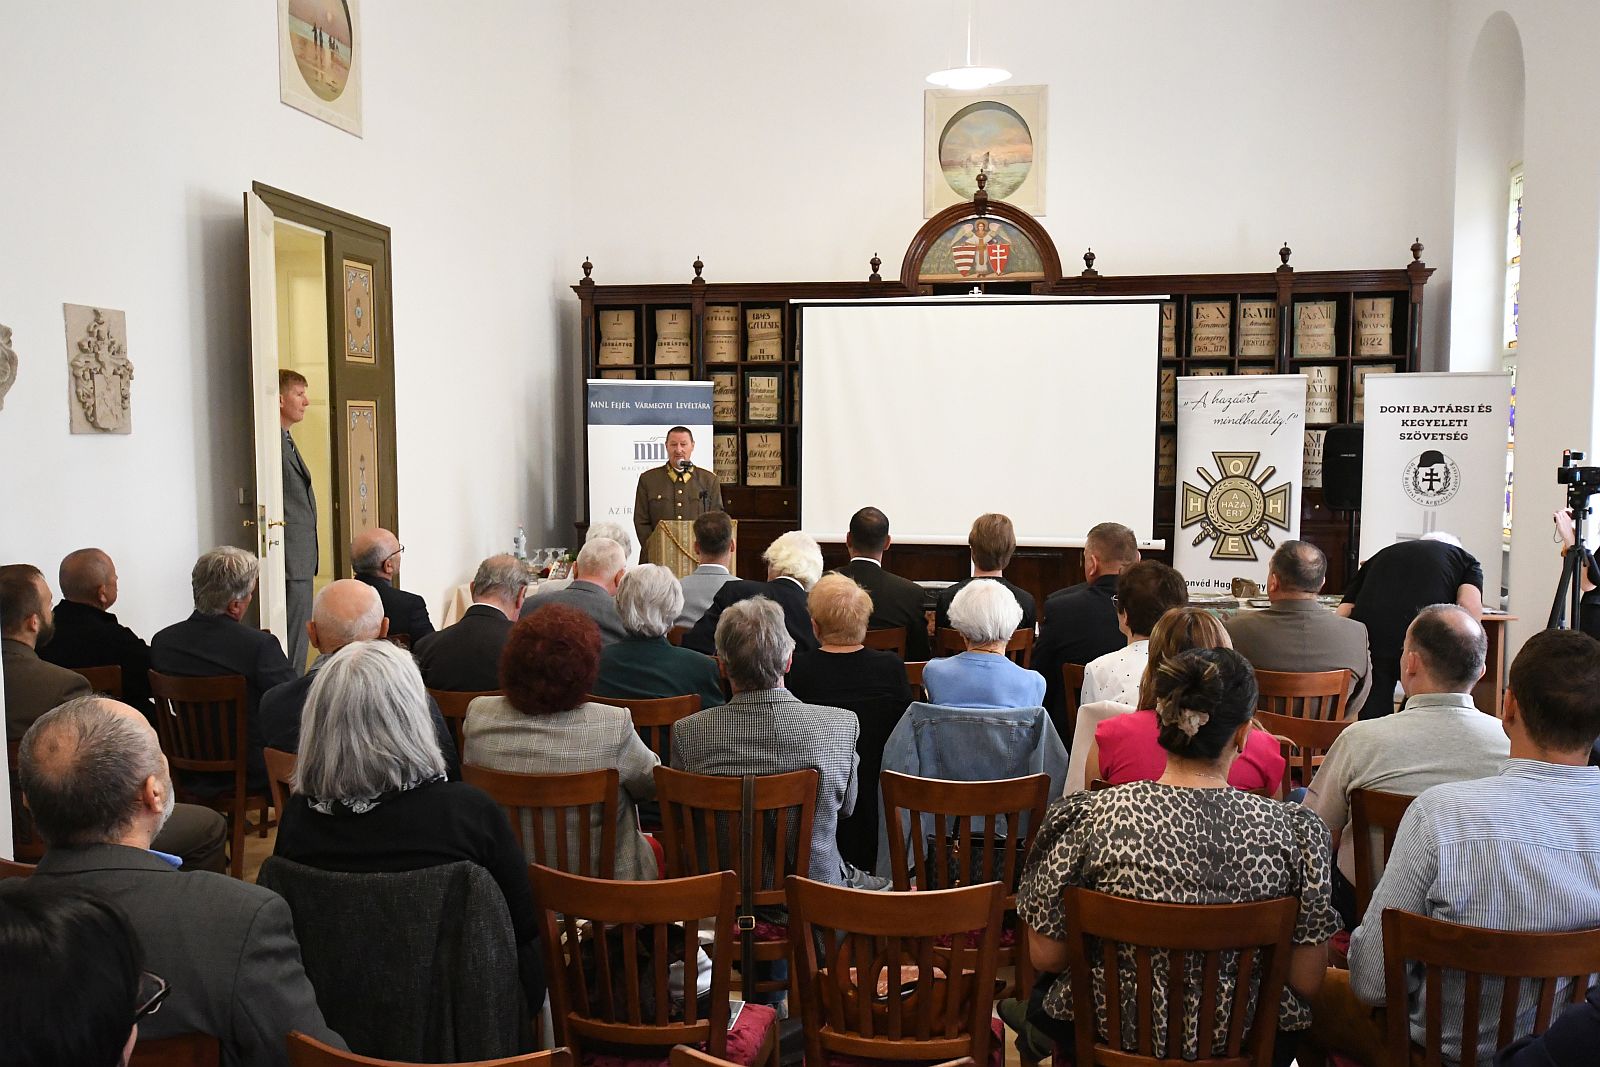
(268, 521)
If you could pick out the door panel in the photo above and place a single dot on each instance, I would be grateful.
(268, 522)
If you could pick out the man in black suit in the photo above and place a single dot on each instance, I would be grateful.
(465, 658)
(794, 563)
(213, 641)
(375, 557)
(1080, 621)
(100, 790)
(895, 600)
(88, 635)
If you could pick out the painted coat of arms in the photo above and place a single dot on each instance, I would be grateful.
(100, 373)
(1237, 508)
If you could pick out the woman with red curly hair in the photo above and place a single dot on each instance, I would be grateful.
(544, 724)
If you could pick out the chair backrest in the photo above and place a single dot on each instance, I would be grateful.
(201, 722)
(309, 1052)
(1304, 742)
(1019, 649)
(1375, 819)
(1097, 784)
(1529, 969)
(653, 718)
(13, 869)
(610, 945)
(1304, 695)
(182, 1050)
(954, 852)
(888, 638)
(675, 636)
(557, 815)
(107, 680)
(1135, 941)
(280, 768)
(903, 976)
(701, 819)
(26, 844)
(1071, 698)
(453, 706)
(914, 679)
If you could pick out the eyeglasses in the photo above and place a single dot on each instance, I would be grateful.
(1115, 601)
(153, 989)
(393, 554)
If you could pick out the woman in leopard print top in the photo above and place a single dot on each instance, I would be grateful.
(1187, 838)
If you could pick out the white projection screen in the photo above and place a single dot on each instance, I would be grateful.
(938, 410)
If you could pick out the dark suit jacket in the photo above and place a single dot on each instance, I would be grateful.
(407, 612)
(788, 594)
(1080, 625)
(227, 948)
(588, 598)
(33, 686)
(465, 658)
(896, 601)
(88, 637)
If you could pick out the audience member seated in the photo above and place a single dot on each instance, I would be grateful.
(74, 986)
(986, 614)
(1145, 592)
(214, 641)
(595, 576)
(545, 724)
(1518, 851)
(613, 531)
(645, 663)
(375, 558)
(345, 611)
(765, 729)
(794, 563)
(1570, 1041)
(88, 635)
(993, 541)
(1297, 634)
(1441, 737)
(844, 673)
(371, 795)
(1187, 838)
(1080, 622)
(465, 657)
(99, 790)
(1127, 747)
(896, 601)
(714, 548)
(1395, 584)
(33, 686)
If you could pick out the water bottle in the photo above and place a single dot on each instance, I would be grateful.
(519, 544)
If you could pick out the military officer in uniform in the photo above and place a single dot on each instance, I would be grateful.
(677, 490)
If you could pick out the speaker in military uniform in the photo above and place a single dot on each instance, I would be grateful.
(676, 490)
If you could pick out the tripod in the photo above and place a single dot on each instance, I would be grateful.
(1569, 589)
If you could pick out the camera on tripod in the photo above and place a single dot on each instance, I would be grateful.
(1581, 482)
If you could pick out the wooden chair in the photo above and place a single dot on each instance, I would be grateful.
(1304, 695)
(203, 727)
(1480, 959)
(1375, 819)
(1071, 694)
(1009, 813)
(1019, 649)
(684, 1056)
(889, 638)
(653, 718)
(26, 844)
(895, 976)
(280, 768)
(555, 815)
(1108, 930)
(107, 680)
(914, 678)
(675, 636)
(1097, 784)
(453, 706)
(184, 1050)
(309, 1052)
(12, 869)
(703, 828)
(1304, 742)
(593, 928)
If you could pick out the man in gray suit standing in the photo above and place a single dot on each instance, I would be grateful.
(595, 577)
(99, 790)
(299, 518)
(713, 545)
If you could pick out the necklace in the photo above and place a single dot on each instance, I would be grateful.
(1194, 774)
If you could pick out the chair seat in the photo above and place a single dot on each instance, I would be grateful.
(746, 1042)
(997, 1052)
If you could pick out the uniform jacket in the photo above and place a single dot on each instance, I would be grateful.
(659, 496)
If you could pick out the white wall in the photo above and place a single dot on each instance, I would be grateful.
(128, 149)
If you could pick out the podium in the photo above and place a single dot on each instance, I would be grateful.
(672, 546)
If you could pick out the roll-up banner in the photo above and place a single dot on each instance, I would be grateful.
(1434, 460)
(1241, 443)
(628, 424)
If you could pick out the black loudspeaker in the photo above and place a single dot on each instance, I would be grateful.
(1341, 467)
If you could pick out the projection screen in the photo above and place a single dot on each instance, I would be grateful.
(938, 410)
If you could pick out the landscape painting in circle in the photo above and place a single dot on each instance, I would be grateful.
(990, 138)
(324, 44)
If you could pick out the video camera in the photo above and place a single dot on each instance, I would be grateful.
(1581, 482)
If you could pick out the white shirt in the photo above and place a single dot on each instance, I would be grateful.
(1116, 675)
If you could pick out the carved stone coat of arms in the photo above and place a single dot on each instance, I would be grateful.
(101, 375)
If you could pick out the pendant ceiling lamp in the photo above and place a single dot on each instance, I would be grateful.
(969, 75)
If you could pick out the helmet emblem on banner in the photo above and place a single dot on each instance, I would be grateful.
(1431, 479)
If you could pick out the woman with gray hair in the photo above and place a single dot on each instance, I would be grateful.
(982, 677)
(794, 563)
(370, 792)
(644, 663)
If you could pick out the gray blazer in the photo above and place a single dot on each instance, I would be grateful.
(771, 731)
(226, 947)
(299, 515)
(1302, 635)
(699, 586)
(588, 598)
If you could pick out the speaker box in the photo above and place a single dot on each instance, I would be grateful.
(1341, 466)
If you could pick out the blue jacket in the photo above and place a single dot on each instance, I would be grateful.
(982, 680)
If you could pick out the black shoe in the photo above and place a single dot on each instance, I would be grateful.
(1031, 1044)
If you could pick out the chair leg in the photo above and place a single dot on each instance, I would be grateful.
(264, 819)
(236, 860)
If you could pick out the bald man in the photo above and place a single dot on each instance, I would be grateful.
(375, 557)
(88, 635)
(346, 611)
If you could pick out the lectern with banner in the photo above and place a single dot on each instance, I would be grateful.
(672, 545)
